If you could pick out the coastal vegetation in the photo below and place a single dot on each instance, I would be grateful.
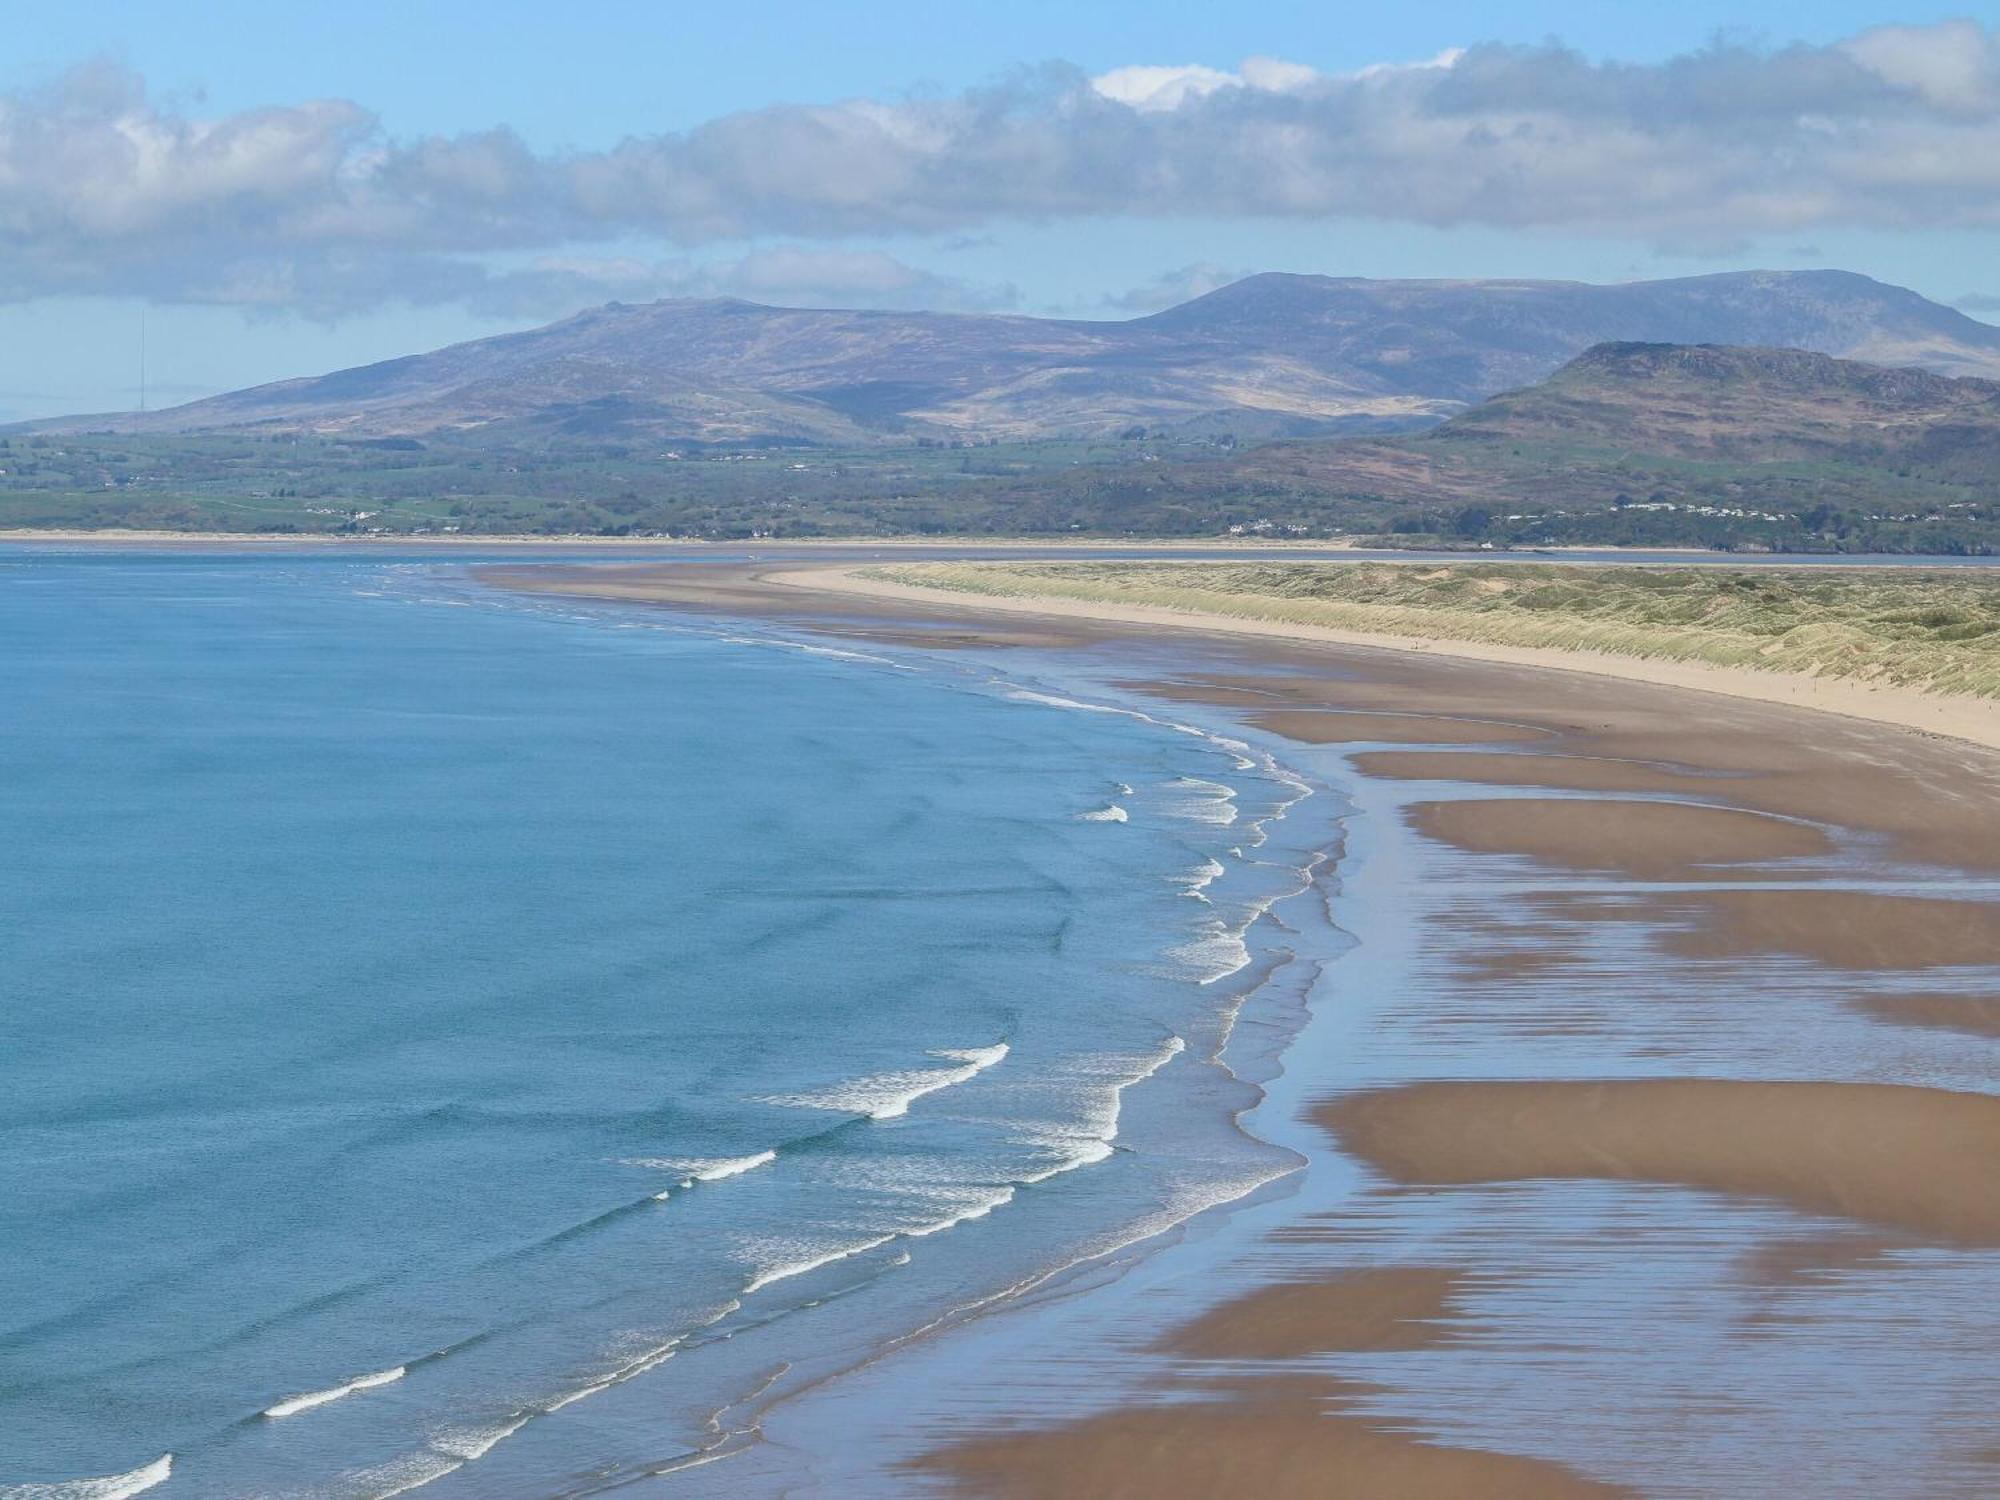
(1936, 629)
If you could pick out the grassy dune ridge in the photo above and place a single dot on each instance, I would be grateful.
(1932, 629)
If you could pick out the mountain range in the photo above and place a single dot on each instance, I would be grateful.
(1270, 356)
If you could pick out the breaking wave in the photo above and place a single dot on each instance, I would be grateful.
(294, 1404)
(107, 1487)
(888, 1096)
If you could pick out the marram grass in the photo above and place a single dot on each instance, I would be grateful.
(1936, 629)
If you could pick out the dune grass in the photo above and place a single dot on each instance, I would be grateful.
(1935, 629)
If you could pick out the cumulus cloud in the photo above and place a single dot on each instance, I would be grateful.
(106, 189)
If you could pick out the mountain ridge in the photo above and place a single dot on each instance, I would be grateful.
(1273, 355)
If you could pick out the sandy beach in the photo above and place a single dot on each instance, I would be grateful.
(1651, 1125)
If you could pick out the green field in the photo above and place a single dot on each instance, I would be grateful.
(1935, 628)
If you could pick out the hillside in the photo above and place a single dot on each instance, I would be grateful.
(1640, 427)
(1272, 355)
(1749, 405)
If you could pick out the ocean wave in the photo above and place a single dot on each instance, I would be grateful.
(974, 1203)
(399, 1476)
(106, 1487)
(1218, 953)
(812, 1260)
(1109, 814)
(1196, 882)
(470, 1443)
(693, 1169)
(807, 648)
(1202, 801)
(888, 1096)
(639, 1365)
(294, 1404)
(1093, 1138)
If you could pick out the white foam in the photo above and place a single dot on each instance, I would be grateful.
(975, 1203)
(701, 1168)
(105, 1487)
(401, 1475)
(293, 1404)
(888, 1096)
(1196, 882)
(472, 1443)
(1111, 814)
(808, 649)
(1092, 1139)
(785, 1270)
(651, 1359)
(1203, 801)
(1050, 700)
(1214, 956)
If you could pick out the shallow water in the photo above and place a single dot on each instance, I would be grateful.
(458, 1041)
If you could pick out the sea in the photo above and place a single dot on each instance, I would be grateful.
(484, 1044)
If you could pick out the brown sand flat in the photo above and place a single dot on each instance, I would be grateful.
(1922, 1160)
(1935, 800)
(1389, 1307)
(1568, 773)
(1646, 840)
(1842, 929)
(1975, 1015)
(1311, 726)
(1278, 1442)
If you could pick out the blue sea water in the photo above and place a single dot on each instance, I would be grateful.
(462, 1041)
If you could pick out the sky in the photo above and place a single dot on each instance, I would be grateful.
(226, 193)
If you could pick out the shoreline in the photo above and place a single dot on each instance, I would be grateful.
(1972, 719)
(1704, 847)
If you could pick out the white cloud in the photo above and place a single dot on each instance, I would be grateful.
(312, 205)
(1954, 66)
(1150, 88)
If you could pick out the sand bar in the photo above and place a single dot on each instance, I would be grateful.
(1915, 1159)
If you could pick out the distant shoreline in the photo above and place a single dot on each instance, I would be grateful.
(807, 543)
(1361, 549)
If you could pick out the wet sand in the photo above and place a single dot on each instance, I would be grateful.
(1840, 929)
(1275, 1441)
(1975, 1015)
(1399, 1307)
(1622, 1177)
(1914, 1159)
(1646, 840)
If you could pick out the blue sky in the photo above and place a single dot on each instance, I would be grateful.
(278, 190)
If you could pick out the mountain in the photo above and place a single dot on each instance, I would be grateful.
(1669, 424)
(1272, 355)
(1707, 402)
